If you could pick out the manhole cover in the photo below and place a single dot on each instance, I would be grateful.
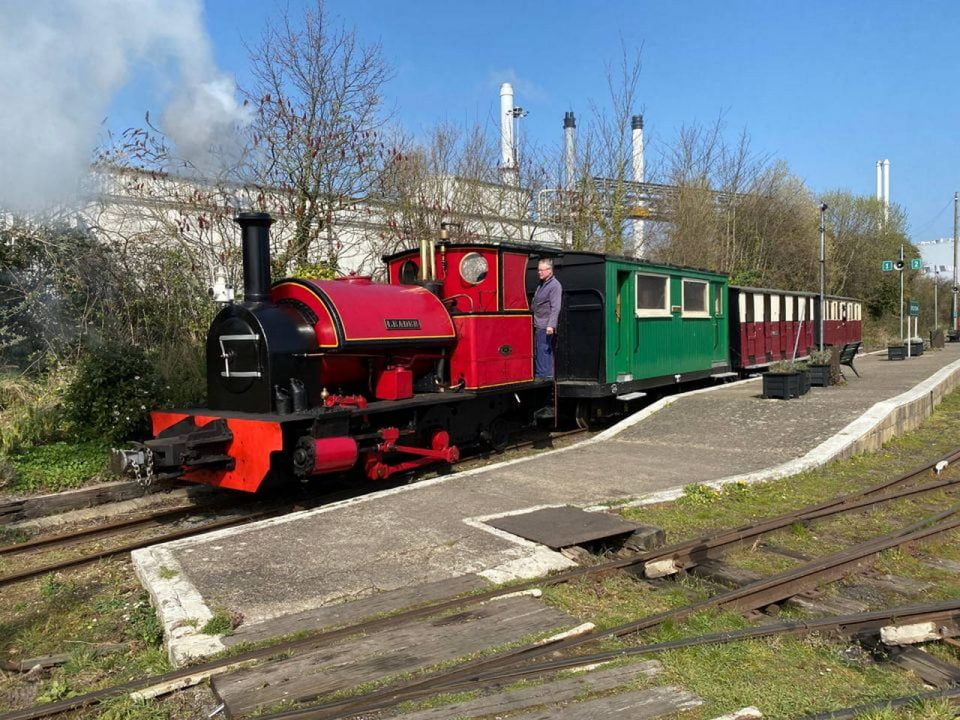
(562, 527)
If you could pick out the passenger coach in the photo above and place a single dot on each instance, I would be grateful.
(628, 326)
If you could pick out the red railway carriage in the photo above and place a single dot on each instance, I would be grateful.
(769, 325)
(842, 320)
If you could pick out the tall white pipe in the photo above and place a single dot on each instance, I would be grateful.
(508, 158)
(636, 125)
(880, 181)
(569, 150)
(886, 190)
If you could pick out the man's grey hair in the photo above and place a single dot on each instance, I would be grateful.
(546, 261)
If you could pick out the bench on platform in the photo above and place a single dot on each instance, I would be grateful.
(847, 353)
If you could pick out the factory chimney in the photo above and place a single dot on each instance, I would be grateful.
(636, 125)
(569, 150)
(886, 190)
(508, 146)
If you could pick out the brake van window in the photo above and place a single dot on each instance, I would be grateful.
(653, 295)
(695, 299)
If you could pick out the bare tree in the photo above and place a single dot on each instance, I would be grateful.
(318, 127)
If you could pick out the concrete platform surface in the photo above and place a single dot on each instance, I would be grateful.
(434, 530)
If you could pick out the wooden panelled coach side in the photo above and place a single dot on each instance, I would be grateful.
(842, 321)
(767, 326)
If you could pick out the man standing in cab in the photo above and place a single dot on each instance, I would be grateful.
(546, 314)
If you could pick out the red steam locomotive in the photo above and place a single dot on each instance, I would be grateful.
(311, 377)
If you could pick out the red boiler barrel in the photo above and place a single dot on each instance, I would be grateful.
(354, 318)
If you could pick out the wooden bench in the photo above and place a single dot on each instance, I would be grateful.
(847, 353)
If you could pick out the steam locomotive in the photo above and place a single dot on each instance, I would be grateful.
(308, 378)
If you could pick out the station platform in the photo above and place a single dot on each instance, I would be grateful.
(312, 567)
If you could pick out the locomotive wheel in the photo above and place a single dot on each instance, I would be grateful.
(581, 414)
(497, 434)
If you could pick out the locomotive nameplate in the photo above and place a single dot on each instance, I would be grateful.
(393, 324)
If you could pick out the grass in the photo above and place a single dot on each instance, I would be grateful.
(56, 467)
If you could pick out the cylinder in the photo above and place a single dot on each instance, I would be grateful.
(255, 239)
(880, 180)
(318, 456)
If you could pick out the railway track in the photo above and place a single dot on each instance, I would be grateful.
(475, 674)
(162, 518)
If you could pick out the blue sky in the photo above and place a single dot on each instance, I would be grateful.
(828, 87)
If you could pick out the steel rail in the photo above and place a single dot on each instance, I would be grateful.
(757, 594)
(106, 529)
(319, 638)
(127, 547)
(950, 694)
(846, 625)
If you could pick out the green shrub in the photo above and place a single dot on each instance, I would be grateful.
(183, 369)
(57, 466)
(31, 411)
(821, 357)
(114, 388)
(786, 367)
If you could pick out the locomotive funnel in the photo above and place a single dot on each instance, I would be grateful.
(255, 235)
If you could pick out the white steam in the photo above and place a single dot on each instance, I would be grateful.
(61, 64)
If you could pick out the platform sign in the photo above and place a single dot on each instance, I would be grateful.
(887, 265)
(914, 308)
(916, 263)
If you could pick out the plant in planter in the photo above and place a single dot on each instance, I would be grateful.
(785, 379)
(820, 368)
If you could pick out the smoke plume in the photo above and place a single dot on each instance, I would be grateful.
(61, 64)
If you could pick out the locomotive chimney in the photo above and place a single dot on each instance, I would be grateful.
(255, 235)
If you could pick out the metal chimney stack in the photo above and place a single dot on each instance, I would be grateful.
(880, 180)
(255, 236)
(886, 190)
(569, 150)
(636, 125)
(508, 151)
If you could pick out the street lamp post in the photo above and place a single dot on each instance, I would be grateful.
(936, 287)
(823, 274)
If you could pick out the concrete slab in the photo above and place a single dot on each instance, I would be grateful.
(436, 530)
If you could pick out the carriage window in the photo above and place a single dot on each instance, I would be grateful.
(653, 295)
(695, 299)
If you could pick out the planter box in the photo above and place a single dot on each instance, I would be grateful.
(782, 386)
(916, 349)
(820, 375)
(897, 352)
(804, 382)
